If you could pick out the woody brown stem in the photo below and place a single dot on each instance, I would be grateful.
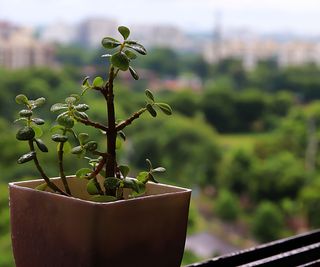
(128, 121)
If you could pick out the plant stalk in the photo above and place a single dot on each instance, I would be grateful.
(50, 184)
(61, 168)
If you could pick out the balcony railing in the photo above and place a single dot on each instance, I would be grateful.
(300, 250)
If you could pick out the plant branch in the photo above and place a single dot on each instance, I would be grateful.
(96, 172)
(128, 121)
(44, 176)
(61, 168)
(92, 123)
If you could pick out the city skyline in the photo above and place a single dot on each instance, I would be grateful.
(299, 17)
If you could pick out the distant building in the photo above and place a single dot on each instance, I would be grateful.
(91, 31)
(19, 49)
(60, 32)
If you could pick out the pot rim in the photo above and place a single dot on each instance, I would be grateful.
(19, 185)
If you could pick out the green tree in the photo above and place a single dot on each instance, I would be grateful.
(268, 222)
(227, 206)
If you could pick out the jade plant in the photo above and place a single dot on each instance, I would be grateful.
(106, 178)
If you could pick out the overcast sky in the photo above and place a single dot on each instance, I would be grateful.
(300, 16)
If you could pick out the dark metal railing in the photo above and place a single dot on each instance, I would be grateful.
(300, 250)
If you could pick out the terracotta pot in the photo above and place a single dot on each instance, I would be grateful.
(53, 230)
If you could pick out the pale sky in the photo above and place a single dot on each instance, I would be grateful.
(299, 16)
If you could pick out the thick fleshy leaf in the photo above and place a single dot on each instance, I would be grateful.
(38, 131)
(41, 145)
(22, 99)
(130, 54)
(38, 121)
(133, 73)
(85, 82)
(65, 121)
(124, 31)
(39, 102)
(77, 150)
(27, 157)
(59, 138)
(110, 43)
(124, 169)
(58, 107)
(81, 115)
(25, 133)
(56, 128)
(151, 110)
(120, 61)
(83, 137)
(119, 142)
(26, 113)
(81, 107)
(122, 135)
(91, 188)
(165, 108)
(91, 146)
(111, 183)
(70, 100)
(149, 164)
(42, 187)
(103, 198)
(149, 94)
(98, 82)
(21, 119)
(137, 47)
(83, 173)
(159, 169)
(143, 176)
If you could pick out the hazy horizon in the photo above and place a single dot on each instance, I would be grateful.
(299, 17)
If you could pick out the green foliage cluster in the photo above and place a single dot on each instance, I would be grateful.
(72, 111)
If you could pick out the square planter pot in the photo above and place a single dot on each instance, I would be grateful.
(53, 230)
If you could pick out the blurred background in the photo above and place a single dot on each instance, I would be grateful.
(243, 79)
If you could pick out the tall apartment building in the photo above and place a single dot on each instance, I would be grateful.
(19, 49)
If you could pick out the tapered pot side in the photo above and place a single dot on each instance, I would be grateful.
(54, 230)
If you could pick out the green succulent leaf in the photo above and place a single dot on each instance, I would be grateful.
(59, 138)
(149, 95)
(159, 169)
(41, 145)
(38, 131)
(58, 107)
(130, 54)
(26, 113)
(27, 157)
(165, 108)
(42, 187)
(152, 178)
(124, 31)
(85, 82)
(83, 173)
(91, 188)
(118, 143)
(81, 115)
(83, 137)
(21, 119)
(149, 164)
(77, 150)
(110, 43)
(38, 102)
(143, 176)
(106, 55)
(103, 198)
(81, 107)
(38, 121)
(136, 47)
(56, 128)
(135, 185)
(122, 135)
(111, 183)
(26, 133)
(65, 121)
(151, 110)
(124, 169)
(22, 99)
(91, 146)
(120, 61)
(98, 82)
(133, 73)
(70, 100)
